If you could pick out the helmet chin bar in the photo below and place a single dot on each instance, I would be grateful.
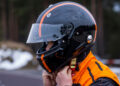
(59, 47)
(64, 51)
(80, 50)
(66, 56)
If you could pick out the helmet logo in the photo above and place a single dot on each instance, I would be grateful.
(48, 15)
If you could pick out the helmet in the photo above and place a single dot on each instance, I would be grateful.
(70, 26)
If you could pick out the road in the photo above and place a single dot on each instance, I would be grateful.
(20, 78)
(29, 77)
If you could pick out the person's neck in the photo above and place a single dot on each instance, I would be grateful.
(82, 56)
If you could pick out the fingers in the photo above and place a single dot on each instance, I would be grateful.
(64, 77)
(69, 72)
(47, 75)
(44, 74)
(65, 69)
(48, 79)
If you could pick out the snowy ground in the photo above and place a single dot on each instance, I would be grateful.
(19, 58)
(116, 70)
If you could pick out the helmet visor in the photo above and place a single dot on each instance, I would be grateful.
(44, 33)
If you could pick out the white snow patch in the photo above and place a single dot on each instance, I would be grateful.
(116, 70)
(116, 7)
(20, 59)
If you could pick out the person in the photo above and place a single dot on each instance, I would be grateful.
(62, 37)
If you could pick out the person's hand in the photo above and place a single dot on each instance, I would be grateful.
(64, 77)
(48, 79)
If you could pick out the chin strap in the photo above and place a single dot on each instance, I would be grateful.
(73, 64)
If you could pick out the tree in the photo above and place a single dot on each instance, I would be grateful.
(4, 19)
(100, 34)
(9, 21)
(98, 15)
(93, 11)
(13, 26)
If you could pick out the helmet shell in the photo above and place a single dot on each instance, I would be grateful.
(49, 28)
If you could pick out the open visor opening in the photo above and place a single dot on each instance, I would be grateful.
(44, 33)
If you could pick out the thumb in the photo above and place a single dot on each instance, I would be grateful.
(69, 72)
(65, 69)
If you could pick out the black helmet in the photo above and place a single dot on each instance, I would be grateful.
(70, 26)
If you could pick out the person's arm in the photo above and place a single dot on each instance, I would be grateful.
(48, 79)
(64, 77)
(104, 82)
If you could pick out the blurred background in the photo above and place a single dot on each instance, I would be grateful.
(17, 60)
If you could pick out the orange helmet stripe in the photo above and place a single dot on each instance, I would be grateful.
(95, 33)
(62, 5)
(45, 65)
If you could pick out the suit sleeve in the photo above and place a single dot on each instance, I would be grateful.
(104, 82)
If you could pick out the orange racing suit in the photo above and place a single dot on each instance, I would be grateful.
(91, 70)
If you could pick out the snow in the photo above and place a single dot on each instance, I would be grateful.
(20, 58)
(116, 70)
(116, 7)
